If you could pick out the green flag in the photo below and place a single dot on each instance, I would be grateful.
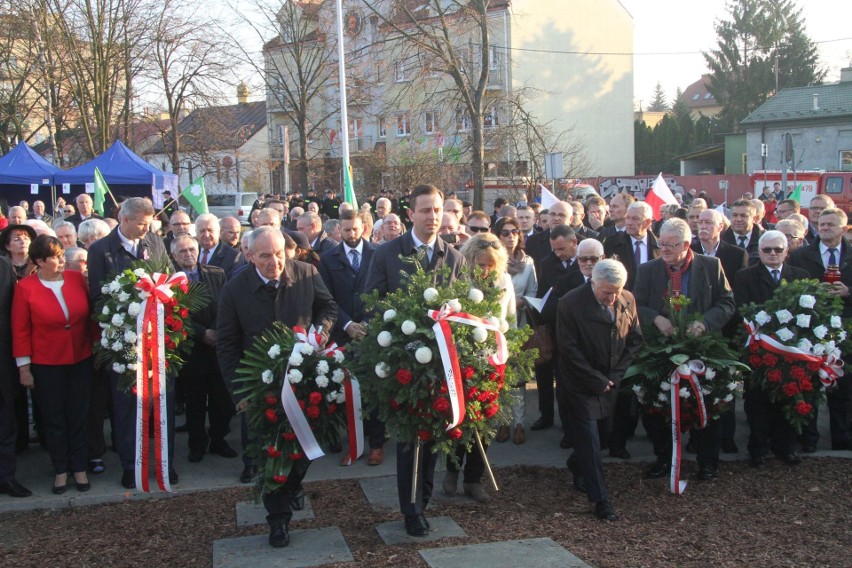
(196, 195)
(348, 189)
(101, 189)
(797, 194)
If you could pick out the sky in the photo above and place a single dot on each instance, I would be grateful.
(667, 26)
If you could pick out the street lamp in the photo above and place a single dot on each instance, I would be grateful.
(242, 136)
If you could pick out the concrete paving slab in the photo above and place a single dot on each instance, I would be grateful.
(250, 513)
(393, 532)
(381, 492)
(529, 553)
(313, 547)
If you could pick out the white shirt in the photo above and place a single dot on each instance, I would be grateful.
(737, 238)
(643, 249)
(129, 245)
(265, 279)
(823, 249)
(418, 243)
(359, 249)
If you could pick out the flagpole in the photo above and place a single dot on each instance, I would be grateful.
(344, 115)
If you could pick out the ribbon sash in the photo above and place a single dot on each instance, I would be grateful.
(354, 421)
(830, 366)
(689, 373)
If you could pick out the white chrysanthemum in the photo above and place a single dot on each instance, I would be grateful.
(807, 301)
(307, 350)
(123, 296)
(118, 368)
(322, 368)
(117, 346)
(294, 376)
(784, 334)
(322, 381)
(118, 319)
(104, 341)
(408, 327)
(728, 397)
(114, 287)
(331, 397)
(105, 289)
(662, 397)
(139, 272)
(715, 401)
(382, 370)
(131, 366)
(842, 335)
(783, 316)
(637, 389)
(818, 350)
(389, 315)
(339, 357)
(423, 355)
(338, 375)
(762, 318)
(130, 336)
(266, 376)
(732, 386)
(803, 320)
(105, 310)
(295, 360)
(385, 338)
(475, 295)
(820, 331)
(455, 305)
(133, 309)
(341, 397)
(274, 351)
(430, 295)
(836, 322)
(805, 344)
(709, 373)
(684, 392)
(666, 386)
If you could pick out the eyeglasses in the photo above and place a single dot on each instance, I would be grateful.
(588, 258)
(668, 246)
(769, 250)
(509, 232)
(794, 237)
(477, 229)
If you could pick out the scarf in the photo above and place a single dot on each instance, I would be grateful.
(517, 263)
(676, 276)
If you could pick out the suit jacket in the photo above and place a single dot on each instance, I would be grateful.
(76, 219)
(755, 283)
(584, 232)
(46, 218)
(594, 351)
(40, 329)
(8, 374)
(550, 271)
(107, 257)
(564, 284)
(620, 247)
(224, 257)
(608, 231)
(729, 237)
(346, 286)
(386, 267)
(733, 259)
(324, 244)
(810, 259)
(538, 246)
(247, 310)
(201, 360)
(709, 291)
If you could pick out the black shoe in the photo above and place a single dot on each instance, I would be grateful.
(603, 511)
(416, 525)
(729, 447)
(808, 448)
(706, 473)
(59, 489)
(425, 521)
(690, 447)
(580, 483)
(657, 470)
(223, 449)
(565, 442)
(297, 500)
(248, 474)
(196, 456)
(128, 479)
(620, 453)
(97, 466)
(174, 479)
(757, 461)
(82, 487)
(542, 423)
(14, 489)
(279, 536)
(182, 428)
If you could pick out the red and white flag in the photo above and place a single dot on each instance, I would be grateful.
(547, 197)
(659, 195)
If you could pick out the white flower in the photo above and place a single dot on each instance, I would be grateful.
(133, 309)
(493, 321)
(783, 316)
(105, 311)
(683, 392)
(105, 289)
(117, 346)
(307, 349)
(728, 397)
(818, 349)
(139, 272)
(423, 355)
(131, 366)
(123, 297)
(274, 351)
(339, 357)
(118, 367)
(266, 376)
(480, 334)
(504, 326)
(836, 322)
(455, 305)
(114, 287)
(341, 397)
(666, 386)
(842, 335)
(430, 295)
(732, 386)
(820, 331)
(337, 376)
(295, 360)
(637, 389)
(331, 397)
(715, 401)
(803, 320)
(130, 336)
(104, 341)
(807, 301)
(294, 376)
(784, 334)
(662, 397)
(389, 315)
(408, 327)
(762, 318)
(382, 370)
(709, 373)
(805, 344)
(385, 338)
(118, 319)
(475, 295)
(322, 381)
(322, 367)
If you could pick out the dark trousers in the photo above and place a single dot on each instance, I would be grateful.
(729, 421)
(8, 422)
(124, 408)
(425, 480)
(474, 465)
(277, 502)
(625, 418)
(707, 440)
(375, 430)
(544, 378)
(98, 404)
(245, 441)
(838, 399)
(586, 459)
(768, 428)
(205, 396)
(63, 393)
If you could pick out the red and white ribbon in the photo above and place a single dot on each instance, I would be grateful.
(449, 355)
(830, 366)
(151, 364)
(354, 420)
(688, 372)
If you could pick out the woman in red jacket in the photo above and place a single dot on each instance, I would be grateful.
(52, 343)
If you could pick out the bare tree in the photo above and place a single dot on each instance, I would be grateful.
(19, 99)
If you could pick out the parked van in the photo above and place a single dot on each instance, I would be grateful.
(231, 205)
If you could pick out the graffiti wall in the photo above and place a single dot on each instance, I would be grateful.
(638, 186)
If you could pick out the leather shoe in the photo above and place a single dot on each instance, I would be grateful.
(729, 447)
(196, 456)
(83, 487)
(376, 457)
(128, 479)
(603, 511)
(59, 489)
(248, 474)
(415, 525)
(297, 500)
(580, 483)
(502, 434)
(14, 489)
(757, 461)
(706, 473)
(620, 453)
(223, 449)
(658, 470)
(542, 423)
(565, 443)
(519, 436)
(279, 537)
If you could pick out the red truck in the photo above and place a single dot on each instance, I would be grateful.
(837, 185)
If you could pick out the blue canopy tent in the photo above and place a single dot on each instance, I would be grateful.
(25, 175)
(126, 174)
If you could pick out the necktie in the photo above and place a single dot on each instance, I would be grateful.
(270, 288)
(564, 264)
(204, 256)
(637, 252)
(609, 313)
(776, 275)
(832, 256)
(742, 241)
(356, 260)
(424, 260)
(134, 248)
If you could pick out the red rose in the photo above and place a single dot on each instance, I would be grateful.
(424, 435)
(313, 412)
(774, 376)
(169, 343)
(280, 479)
(814, 366)
(315, 398)
(296, 456)
(272, 452)
(183, 312)
(770, 360)
(805, 385)
(177, 325)
(803, 408)
(271, 400)
(791, 389)
(491, 410)
(493, 377)
(271, 415)
(332, 408)
(184, 287)
(798, 373)
(454, 434)
(302, 405)
(472, 393)
(289, 436)
(404, 376)
(441, 405)
(442, 387)
(169, 320)
(755, 360)
(394, 404)
(467, 373)
(754, 347)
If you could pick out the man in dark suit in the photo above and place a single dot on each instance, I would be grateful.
(598, 335)
(271, 290)
(9, 387)
(757, 283)
(85, 210)
(589, 252)
(538, 245)
(205, 390)
(617, 216)
(743, 232)
(576, 222)
(211, 250)
(426, 210)
(636, 238)
(831, 249)
(310, 225)
(179, 224)
(344, 271)
(699, 278)
(129, 241)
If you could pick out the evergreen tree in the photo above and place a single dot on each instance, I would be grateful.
(658, 103)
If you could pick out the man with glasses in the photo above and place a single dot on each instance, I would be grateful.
(179, 225)
(818, 204)
(701, 279)
(794, 231)
(786, 208)
(637, 244)
(538, 245)
(478, 222)
(768, 428)
(589, 252)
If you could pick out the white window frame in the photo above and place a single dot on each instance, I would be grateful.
(463, 121)
(494, 117)
(400, 70)
(383, 127)
(430, 122)
(403, 124)
(845, 161)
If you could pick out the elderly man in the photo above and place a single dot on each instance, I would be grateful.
(268, 218)
(694, 214)
(77, 259)
(818, 204)
(618, 215)
(589, 252)
(743, 231)
(756, 284)
(179, 224)
(598, 334)
(383, 207)
(701, 279)
(793, 231)
(310, 225)
(831, 250)
(454, 207)
(85, 210)
(636, 245)
(128, 242)
(761, 212)
(17, 215)
(391, 228)
(39, 213)
(211, 250)
(274, 289)
(450, 230)
(230, 232)
(66, 233)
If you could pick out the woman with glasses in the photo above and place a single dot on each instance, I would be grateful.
(521, 269)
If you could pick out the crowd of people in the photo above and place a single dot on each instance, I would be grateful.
(584, 274)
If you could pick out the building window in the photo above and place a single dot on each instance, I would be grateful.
(400, 71)
(403, 124)
(490, 119)
(356, 128)
(429, 122)
(463, 121)
(383, 127)
(846, 160)
(494, 58)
